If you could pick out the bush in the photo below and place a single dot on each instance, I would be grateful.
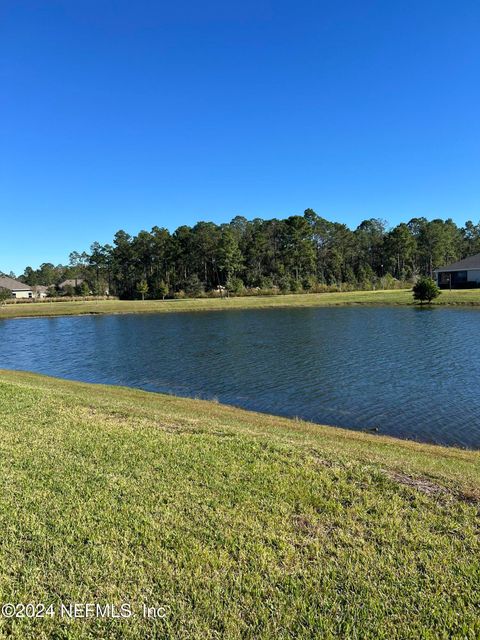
(321, 287)
(284, 284)
(266, 283)
(51, 300)
(347, 286)
(295, 285)
(425, 289)
(82, 289)
(309, 283)
(235, 286)
(5, 294)
(388, 281)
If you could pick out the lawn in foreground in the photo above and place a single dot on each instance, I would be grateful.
(244, 525)
(466, 297)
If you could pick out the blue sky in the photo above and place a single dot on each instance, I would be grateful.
(121, 114)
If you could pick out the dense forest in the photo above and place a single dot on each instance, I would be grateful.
(297, 253)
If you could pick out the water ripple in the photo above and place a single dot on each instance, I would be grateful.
(408, 372)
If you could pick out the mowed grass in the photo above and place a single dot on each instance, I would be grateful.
(468, 297)
(244, 525)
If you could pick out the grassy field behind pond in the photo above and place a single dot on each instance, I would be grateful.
(244, 525)
(467, 297)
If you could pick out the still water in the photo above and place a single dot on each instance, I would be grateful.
(409, 372)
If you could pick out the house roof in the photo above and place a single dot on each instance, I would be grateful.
(14, 285)
(40, 287)
(73, 282)
(472, 262)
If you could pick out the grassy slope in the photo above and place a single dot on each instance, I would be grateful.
(246, 525)
(403, 297)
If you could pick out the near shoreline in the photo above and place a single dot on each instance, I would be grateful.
(466, 297)
(244, 525)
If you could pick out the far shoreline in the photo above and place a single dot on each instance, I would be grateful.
(400, 297)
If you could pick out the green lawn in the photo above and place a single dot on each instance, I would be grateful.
(244, 525)
(469, 297)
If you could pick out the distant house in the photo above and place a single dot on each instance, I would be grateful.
(18, 289)
(73, 282)
(464, 274)
(40, 291)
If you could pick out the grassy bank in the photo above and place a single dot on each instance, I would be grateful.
(243, 525)
(397, 297)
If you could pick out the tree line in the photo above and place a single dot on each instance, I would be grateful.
(302, 252)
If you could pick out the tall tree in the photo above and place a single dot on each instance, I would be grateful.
(297, 248)
(123, 265)
(229, 254)
(400, 249)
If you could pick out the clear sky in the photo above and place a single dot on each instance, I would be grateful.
(128, 114)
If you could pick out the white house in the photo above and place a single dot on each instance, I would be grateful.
(464, 274)
(18, 289)
(40, 291)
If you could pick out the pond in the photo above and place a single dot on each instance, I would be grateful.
(407, 372)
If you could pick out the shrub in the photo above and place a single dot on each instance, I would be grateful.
(308, 283)
(284, 284)
(266, 283)
(68, 290)
(425, 289)
(388, 281)
(235, 285)
(84, 289)
(295, 285)
(5, 294)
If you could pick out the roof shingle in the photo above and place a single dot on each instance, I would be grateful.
(14, 285)
(472, 262)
